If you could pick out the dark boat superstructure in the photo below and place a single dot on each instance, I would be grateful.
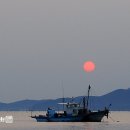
(73, 112)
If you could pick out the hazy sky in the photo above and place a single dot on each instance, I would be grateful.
(44, 43)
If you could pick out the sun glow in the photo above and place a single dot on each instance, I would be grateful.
(89, 66)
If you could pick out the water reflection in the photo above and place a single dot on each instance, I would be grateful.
(70, 126)
(67, 126)
(22, 121)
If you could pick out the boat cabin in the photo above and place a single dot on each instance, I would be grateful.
(72, 108)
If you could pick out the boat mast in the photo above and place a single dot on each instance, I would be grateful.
(84, 103)
(88, 95)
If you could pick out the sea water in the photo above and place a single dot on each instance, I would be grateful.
(23, 121)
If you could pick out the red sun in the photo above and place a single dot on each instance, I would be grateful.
(89, 66)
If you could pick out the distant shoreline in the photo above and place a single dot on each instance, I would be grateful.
(118, 98)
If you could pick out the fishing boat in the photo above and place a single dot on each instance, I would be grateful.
(73, 112)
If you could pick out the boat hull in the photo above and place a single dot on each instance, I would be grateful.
(95, 116)
(40, 118)
(90, 117)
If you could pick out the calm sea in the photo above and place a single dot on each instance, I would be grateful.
(22, 121)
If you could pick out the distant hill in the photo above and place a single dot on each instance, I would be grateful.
(120, 100)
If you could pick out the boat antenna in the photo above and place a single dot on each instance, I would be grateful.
(63, 99)
(89, 87)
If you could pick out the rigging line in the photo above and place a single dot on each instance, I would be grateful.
(111, 118)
